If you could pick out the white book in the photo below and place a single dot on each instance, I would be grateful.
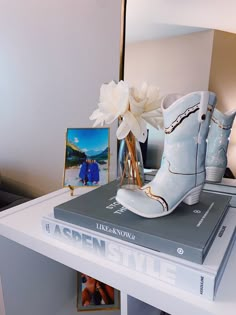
(201, 280)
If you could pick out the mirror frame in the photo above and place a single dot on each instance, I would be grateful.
(122, 38)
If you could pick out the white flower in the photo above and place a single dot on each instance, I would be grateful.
(154, 118)
(144, 107)
(133, 124)
(135, 107)
(148, 97)
(114, 102)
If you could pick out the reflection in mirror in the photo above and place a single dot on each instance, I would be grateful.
(181, 59)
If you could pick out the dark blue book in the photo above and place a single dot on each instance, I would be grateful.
(188, 232)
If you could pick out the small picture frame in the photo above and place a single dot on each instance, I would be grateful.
(94, 295)
(87, 157)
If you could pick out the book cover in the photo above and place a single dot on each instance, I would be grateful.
(222, 189)
(188, 232)
(201, 280)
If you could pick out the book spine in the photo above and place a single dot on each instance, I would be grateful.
(184, 277)
(136, 237)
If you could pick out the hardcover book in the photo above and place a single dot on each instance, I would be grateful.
(222, 189)
(187, 233)
(202, 280)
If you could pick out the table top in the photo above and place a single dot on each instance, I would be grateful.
(22, 224)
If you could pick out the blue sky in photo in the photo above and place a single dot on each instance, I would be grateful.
(87, 139)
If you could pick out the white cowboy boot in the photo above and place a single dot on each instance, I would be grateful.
(217, 144)
(182, 172)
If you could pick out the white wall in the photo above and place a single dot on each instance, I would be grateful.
(223, 82)
(214, 14)
(178, 64)
(54, 56)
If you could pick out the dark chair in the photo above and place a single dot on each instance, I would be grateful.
(8, 200)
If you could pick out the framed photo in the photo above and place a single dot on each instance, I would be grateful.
(86, 157)
(94, 295)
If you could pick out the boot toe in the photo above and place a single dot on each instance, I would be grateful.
(139, 203)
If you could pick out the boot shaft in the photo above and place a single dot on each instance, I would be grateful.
(186, 122)
(218, 138)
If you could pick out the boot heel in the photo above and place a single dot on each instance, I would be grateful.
(194, 195)
(214, 174)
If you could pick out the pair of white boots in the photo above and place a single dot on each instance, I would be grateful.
(185, 161)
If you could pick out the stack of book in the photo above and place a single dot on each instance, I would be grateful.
(227, 187)
(188, 249)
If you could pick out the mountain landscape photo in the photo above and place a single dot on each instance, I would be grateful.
(87, 149)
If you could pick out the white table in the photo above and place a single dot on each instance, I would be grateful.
(39, 277)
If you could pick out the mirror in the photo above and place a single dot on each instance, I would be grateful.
(179, 59)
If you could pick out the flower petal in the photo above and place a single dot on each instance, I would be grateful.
(133, 124)
(150, 106)
(114, 98)
(144, 90)
(121, 92)
(153, 93)
(95, 114)
(143, 130)
(110, 118)
(156, 122)
(155, 113)
(122, 130)
(137, 108)
(98, 122)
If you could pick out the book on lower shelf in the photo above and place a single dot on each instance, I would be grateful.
(187, 233)
(202, 280)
